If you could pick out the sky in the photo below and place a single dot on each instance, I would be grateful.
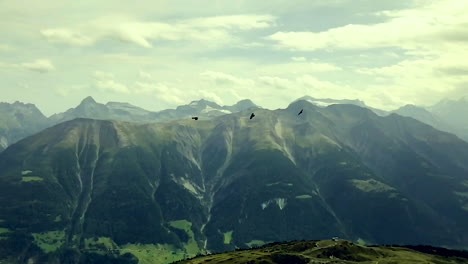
(162, 53)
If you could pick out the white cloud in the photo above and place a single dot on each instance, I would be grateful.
(163, 92)
(220, 78)
(298, 59)
(66, 36)
(145, 75)
(69, 89)
(297, 68)
(4, 47)
(321, 67)
(209, 30)
(41, 66)
(237, 22)
(274, 81)
(112, 86)
(211, 96)
(104, 81)
(418, 28)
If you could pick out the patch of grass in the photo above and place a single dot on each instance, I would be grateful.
(228, 237)
(279, 183)
(371, 186)
(362, 242)
(181, 224)
(150, 253)
(100, 244)
(31, 179)
(49, 241)
(191, 247)
(304, 196)
(462, 194)
(26, 172)
(256, 243)
(4, 230)
(58, 218)
(465, 183)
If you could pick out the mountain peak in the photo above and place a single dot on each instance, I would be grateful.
(203, 103)
(88, 100)
(242, 105)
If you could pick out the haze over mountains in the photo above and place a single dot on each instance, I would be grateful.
(169, 190)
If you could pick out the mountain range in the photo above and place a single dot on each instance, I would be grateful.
(19, 120)
(163, 191)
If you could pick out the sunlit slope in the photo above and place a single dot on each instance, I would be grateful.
(171, 190)
(327, 251)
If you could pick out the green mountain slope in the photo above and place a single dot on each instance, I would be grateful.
(165, 191)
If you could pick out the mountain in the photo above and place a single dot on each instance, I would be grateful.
(334, 251)
(202, 108)
(423, 115)
(89, 108)
(328, 101)
(453, 112)
(164, 191)
(19, 120)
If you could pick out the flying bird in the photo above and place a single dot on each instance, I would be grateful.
(252, 115)
(195, 118)
(300, 111)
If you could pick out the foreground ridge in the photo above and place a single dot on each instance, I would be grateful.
(333, 251)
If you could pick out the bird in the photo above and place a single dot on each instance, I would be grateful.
(195, 118)
(252, 115)
(300, 111)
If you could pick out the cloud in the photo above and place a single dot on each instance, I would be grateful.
(457, 70)
(321, 67)
(69, 89)
(66, 36)
(161, 91)
(295, 68)
(211, 96)
(419, 28)
(145, 75)
(220, 78)
(236, 22)
(112, 86)
(105, 81)
(164, 92)
(275, 82)
(209, 30)
(298, 59)
(41, 66)
(4, 47)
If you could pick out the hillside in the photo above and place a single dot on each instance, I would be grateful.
(172, 190)
(330, 251)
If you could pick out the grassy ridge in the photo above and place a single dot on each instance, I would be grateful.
(329, 251)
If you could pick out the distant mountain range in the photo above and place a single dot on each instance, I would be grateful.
(157, 192)
(19, 120)
(447, 115)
